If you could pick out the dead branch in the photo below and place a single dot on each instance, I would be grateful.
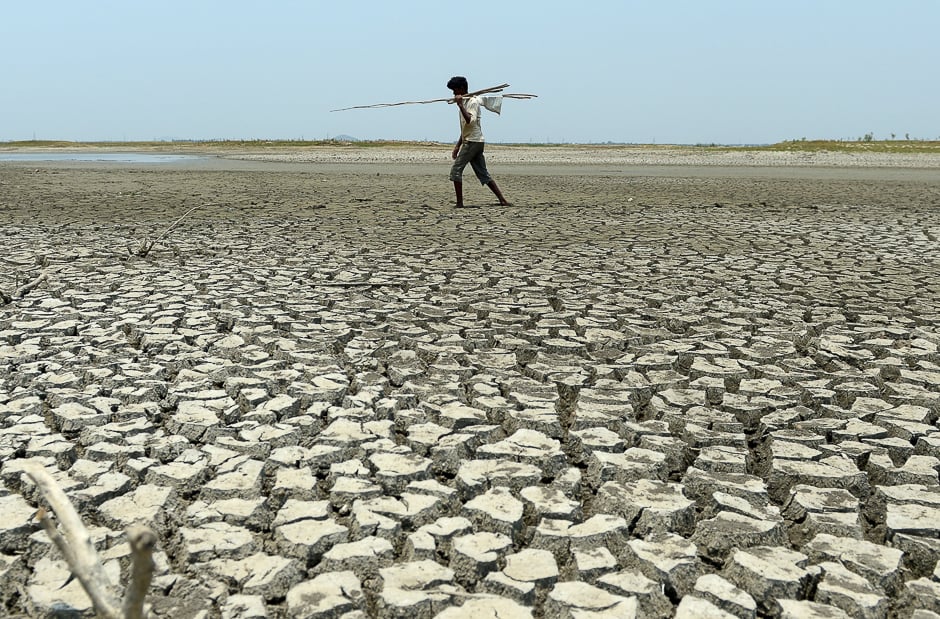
(142, 540)
(22, 291)
(144, 248)
(49, 527)
(76, 546)
(74, 543)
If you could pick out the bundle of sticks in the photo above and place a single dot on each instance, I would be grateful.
(486, 91)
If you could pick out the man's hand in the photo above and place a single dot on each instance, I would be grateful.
(453, 155)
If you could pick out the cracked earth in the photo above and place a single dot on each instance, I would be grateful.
(334, 395)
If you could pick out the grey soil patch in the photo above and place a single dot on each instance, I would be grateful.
(332, 394)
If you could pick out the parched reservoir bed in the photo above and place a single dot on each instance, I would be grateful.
(640, 391)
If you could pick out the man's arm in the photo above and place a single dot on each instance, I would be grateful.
(466, 115)
(457, 147)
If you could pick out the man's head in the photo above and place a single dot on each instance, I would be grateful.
(458, 85)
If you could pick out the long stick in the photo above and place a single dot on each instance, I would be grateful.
(485, 91)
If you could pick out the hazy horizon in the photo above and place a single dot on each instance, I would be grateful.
(673, 72)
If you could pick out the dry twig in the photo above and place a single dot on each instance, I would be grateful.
(144, 248)
(75, 544)
(22, 291)
(142, 540)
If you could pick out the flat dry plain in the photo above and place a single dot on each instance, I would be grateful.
(664, 383)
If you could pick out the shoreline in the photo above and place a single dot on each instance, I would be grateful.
(564, 155)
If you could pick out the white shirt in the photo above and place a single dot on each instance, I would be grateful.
(471, 131)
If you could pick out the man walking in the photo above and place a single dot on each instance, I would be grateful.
(469, 148)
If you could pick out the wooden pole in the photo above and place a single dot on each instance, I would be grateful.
(485, 91)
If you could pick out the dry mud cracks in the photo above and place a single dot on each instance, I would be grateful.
(333, 396)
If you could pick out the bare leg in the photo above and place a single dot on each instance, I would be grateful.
(502, 201)
(458, 189)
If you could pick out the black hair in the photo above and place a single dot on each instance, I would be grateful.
(457, 83)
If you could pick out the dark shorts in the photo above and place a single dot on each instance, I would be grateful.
(472, 153)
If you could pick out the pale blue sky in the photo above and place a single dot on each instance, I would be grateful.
(666, 71)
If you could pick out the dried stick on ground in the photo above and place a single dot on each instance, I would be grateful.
(75, 544)
(145, 248)
(20, 292)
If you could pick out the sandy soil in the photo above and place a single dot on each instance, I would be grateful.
(818, 283)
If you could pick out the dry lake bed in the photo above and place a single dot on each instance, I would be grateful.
(659, 385)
